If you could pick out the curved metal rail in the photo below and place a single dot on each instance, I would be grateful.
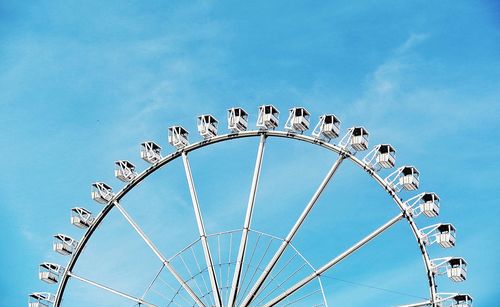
(244, 134)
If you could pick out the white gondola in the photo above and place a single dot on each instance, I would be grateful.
(40, 299)
(327, 128)
(237, 120)
(125, 171)
(50, 272)
(207, 126)
(386, 156)
(426, 203)
(454, 267)
(268, 117)
(442, 234)
(298, 120)
(457, 269)
(359, 138)
(101, 192)
(409, 179)
(430, 204)
(150, 152)
(446, 235)
(405, 177)
(178, 137)
(461, 300)
(81, 217)
(381, 156)
(64, 244)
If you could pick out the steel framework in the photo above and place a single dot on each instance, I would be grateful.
(240, 291)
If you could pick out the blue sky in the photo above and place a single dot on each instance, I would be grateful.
(82, 84)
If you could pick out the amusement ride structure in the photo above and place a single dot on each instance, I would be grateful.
(248, 280)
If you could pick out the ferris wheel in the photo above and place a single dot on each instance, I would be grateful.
(245, 266)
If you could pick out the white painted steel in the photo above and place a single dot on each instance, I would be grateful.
(157, 252)
(111, 290)
(258, 284)
(335, 260)
(202, 232)
(456, 299)
(243, 134)
(246, 224)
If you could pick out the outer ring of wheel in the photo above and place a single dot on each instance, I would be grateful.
(231, 136)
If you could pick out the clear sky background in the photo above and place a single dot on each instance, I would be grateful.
(83, 83)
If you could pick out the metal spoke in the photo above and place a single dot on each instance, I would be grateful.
(335, 260)
(253, 292)
(199, 270)
(303, 297)
(248, 220)
(283, 282)
(322, 292)
(254, 249)
(201, 229)
(157, 252)
(275, 276)
(176, 291)
(258, 265)
(425, 303)
(153, 281)
(219, 260)
(111, 290)
(191, 275)
(229, 263)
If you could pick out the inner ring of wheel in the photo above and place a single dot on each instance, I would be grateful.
(225, 137)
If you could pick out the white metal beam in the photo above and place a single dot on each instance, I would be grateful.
(421, 304)
(234, 136)
(335, 260)
(157, 252)
(202, 232)
(248, 219)
(258, 284)
(111, 290)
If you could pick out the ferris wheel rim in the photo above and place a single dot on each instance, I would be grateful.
(239, 135)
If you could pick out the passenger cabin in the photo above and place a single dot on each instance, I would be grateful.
(178, 137)
(430, 204)
(327, 128)
(457, 269)
(268, 117)
(359, 138)
(101, 192)
(207, 126)
(150, 152)
(50, 272)
(445, 235)
(386, 156)
(409, 179)
(298, 120)
(81, 217)
(237, 120)
(64, 244)
(40, 299)
(461, 300)
(125, 171)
